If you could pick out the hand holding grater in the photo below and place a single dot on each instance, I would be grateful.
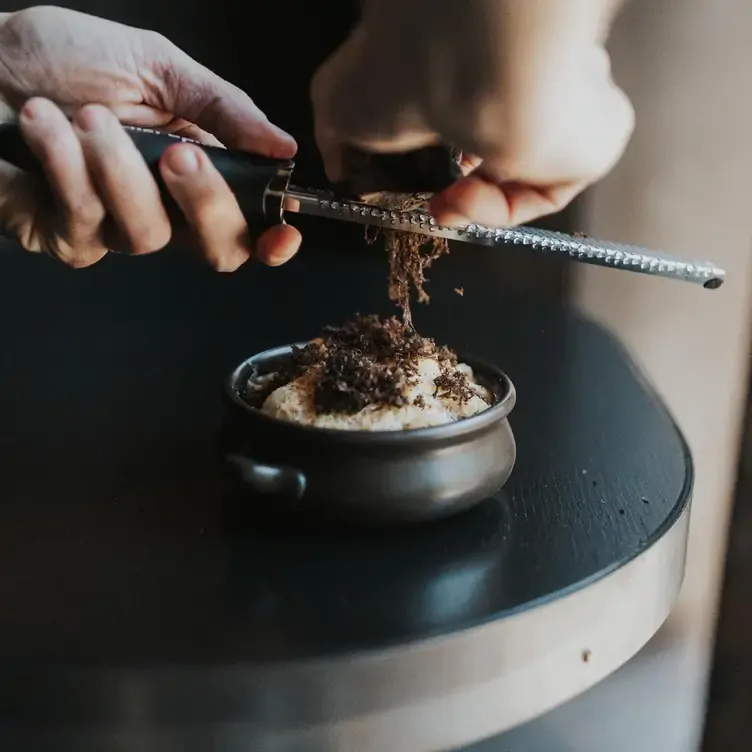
(264, 192)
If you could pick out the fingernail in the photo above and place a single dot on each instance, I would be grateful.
(91, 117)
(182, 160)
(33, 109)
(277, 259)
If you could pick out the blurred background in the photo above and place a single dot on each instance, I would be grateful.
(683, 186)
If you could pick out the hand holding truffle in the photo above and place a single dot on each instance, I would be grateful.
(56, 64)
(522, 87)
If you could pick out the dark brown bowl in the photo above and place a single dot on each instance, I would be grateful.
(367, 477)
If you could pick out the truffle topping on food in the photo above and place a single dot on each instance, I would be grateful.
(370, 361)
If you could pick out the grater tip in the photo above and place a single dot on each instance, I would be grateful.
(714, 282)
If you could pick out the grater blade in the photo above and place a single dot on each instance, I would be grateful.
(586, 250)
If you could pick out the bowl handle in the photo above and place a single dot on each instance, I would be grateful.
(267, 479)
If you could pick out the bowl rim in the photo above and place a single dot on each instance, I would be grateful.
(496, 413)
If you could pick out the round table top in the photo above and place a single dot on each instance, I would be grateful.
(138, 599)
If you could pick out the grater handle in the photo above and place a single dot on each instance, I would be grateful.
(259, 183)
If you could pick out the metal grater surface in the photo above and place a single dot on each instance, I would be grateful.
(586, 250)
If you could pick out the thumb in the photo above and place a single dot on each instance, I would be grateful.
(192, 92)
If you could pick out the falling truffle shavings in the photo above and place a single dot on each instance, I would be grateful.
(409, 254)
(368, 361)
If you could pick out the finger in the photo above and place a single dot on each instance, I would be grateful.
(395, 136)
(356, 109)
(333, 156)
(118, 170)
(469, 162)
(475, 200)
(333, 143)
(209, 206)
(230, 114)
(25, 210)
(278, 245)
(53, 141)
(189, 130)
(193, 92)
(143, 116)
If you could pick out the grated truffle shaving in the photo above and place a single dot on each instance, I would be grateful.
(409, 254)
(368, 361)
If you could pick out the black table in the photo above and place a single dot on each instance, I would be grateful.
(142, 610)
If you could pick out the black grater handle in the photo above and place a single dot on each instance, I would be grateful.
(259, 183)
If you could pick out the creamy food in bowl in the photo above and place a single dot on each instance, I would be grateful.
(369, 424)
(370, 374)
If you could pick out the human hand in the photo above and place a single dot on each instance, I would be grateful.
(522, 87)
(57, 63)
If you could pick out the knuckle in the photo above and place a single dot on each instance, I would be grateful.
(226, 263)
(156, 40)
(85, 213)
(78, 255)
(104, 116)
(80, 260)
(22, 27)
(149, 239)
(27, 237)
(206, 211)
